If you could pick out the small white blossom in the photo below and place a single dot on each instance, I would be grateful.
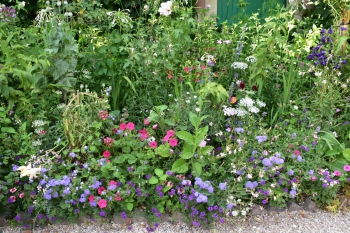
(239, 65)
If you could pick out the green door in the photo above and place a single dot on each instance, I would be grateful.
(229, 10)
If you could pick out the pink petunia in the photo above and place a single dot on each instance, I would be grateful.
(347, 168)
(13, 190)
(112, 182)
(166, 138)
(102, 203)
(170, 133)
(296, 152)
(130, 126)
(153, 144)
(203, 143)
(154, 126)
(146, 122)
(173, 142)
(21, 195)
(13, 198)
(100, 190)
(91, 198)
(337, 173)
(118, 197)
(106, 154)
(122, 126)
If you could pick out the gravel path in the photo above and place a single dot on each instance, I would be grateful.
(283, 222)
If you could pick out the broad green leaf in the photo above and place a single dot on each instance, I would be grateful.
(180, 166)
(197, 168)
(206, 150)
(8, 130)
(153, 180)
(186, 155)
(163, 150)
(346, 154)
(158, 172)
(186, 136)
(161, 108)
(129, 206)
(194, 120)
(126, 149)
(187, 148)
(132, 159)
(339, 164)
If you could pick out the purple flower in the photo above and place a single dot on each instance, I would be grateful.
(102, 213)
(40, 216)
(264, 202)
(222, 186)
(262, 182)
(123, 215)
(76, 211)
(290, 172)
(239, 130)
(72, 154)
(261, 138)
(229, 206)
(299, 158)
(251, 185)
(293, 193)
(18, 218)
(267, 162)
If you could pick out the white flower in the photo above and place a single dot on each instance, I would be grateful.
(244, 212)
(28, 171)
(318, 74)
(228, 111)
(241, 112)
(253, 109)
(251, 59)
(197, 109)
(247, 102)
(165, 8)
(296, 107)
(324, 81)
(260, 103)
(239, 65)
(59, 3)
(234, 213)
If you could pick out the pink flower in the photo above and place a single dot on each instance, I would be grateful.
(170, 133)
(166, 138)
(108, 141)
(347, 168)
(13, 198)
(91, 198)
(143, 134)
(112, 182)
(153, 144)
(100, 190)
(337, 173)
(102, 203)
(122, 126)
(118, 197)
(21, 195)
(106, 154)
(313, 178)
(296, 152)
(146, 122)
(130, 126)
(154, 126)
(203, 143)
(173, 142)
(13, 190)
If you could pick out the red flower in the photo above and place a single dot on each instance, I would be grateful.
(91, 198)
(106, 154)
(100, 190)
(296, 152)
(255, 88)
(187, 69)
(242, 85)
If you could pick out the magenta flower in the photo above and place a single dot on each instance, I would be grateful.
(173, 142)
(337, 173)
(347, 168)
(130, 126)
(153, 144)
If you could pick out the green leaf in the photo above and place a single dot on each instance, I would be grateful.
(186, 136)
(163, 150)
(194, 120)
(129, 206)
(339, 164)
(8, 130)
(346, 154)
(158, 172)
(186, 155)
(197, 168)
(180, 166)
(132, 159)
(126, 149)
(153, 180)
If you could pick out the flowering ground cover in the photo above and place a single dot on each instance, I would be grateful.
(104, 112)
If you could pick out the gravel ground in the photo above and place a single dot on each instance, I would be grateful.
(283, 222)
